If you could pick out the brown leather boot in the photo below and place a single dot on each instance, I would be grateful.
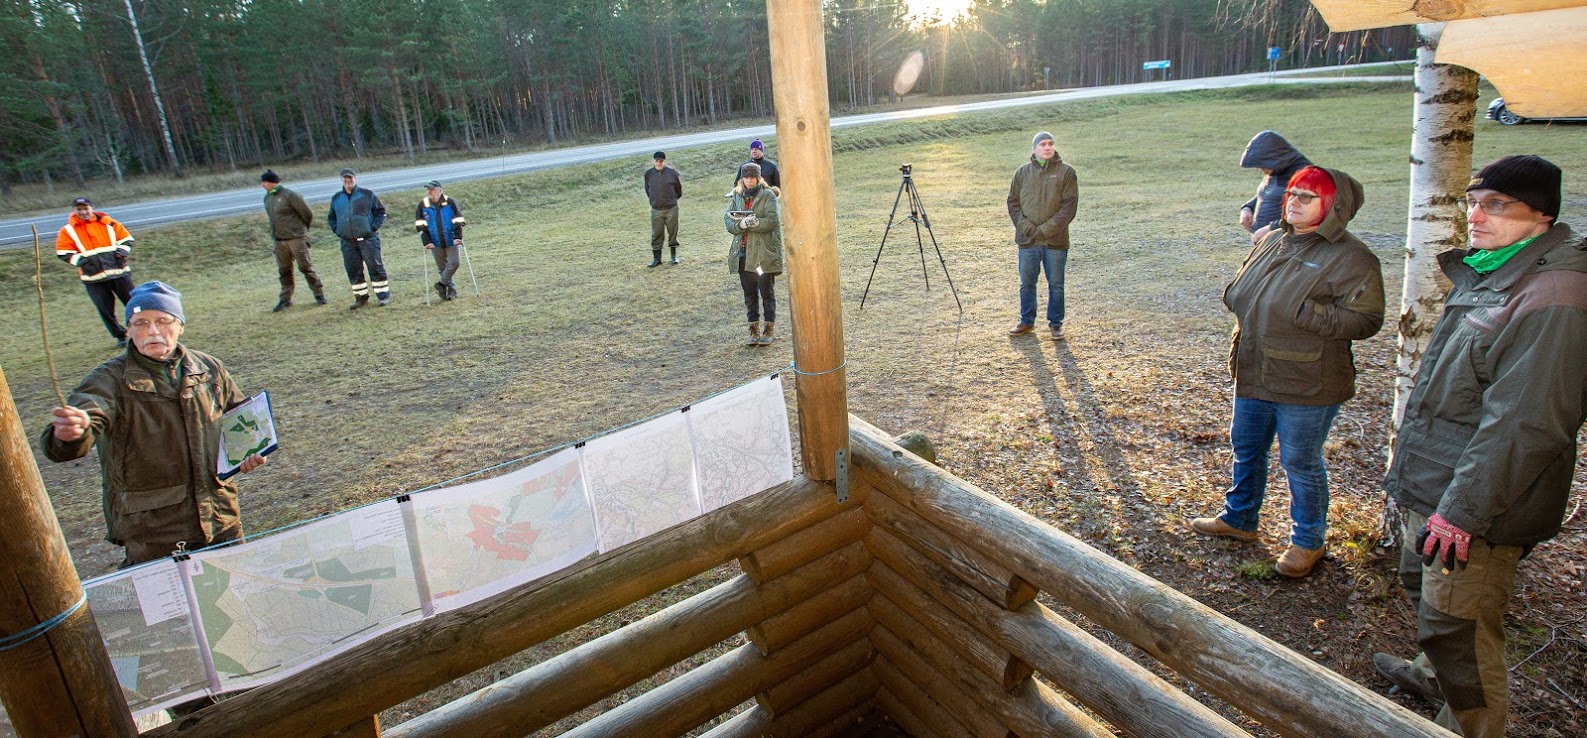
(754, 335)
(1298, 562)
(765, 334)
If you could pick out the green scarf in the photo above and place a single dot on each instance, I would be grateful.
(1487, 262)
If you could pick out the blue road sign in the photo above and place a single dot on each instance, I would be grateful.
(1272, 53)
(1159, 64)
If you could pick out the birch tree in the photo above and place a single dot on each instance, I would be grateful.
(1446, 107)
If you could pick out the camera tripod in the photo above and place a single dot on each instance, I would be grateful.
(917, 215)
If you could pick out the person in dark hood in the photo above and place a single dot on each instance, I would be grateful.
(1304, 293)
(1279, 161)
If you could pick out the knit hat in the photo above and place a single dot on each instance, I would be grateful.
(756, 144)
(749, 170)
(82, 201)
(659, 155)
(1530, 179)
(348, 172)
(1040, 137)
(432, 184)
(155, 296)
(270, 176)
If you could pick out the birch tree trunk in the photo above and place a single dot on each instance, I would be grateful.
(154, 90)
(1446, 107)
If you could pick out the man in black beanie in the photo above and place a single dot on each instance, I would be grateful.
(290, 219)
(1483, 460)
(663, 187)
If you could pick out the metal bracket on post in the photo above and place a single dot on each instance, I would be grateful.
(840, 477)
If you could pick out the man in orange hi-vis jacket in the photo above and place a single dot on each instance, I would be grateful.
(98, 245)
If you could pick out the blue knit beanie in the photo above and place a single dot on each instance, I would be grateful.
(155, 296)
(756, 144)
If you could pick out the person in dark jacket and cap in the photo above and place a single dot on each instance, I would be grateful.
(290, 218)
(1484, 459)
(769, 174)
(1279, 161)
(154, 413)
(1305, 292)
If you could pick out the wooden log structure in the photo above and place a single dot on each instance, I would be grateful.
(780, 699)
(1030, 708)
(904, 717)
(902, 670)
(988, 577)
(558, 687)
(1125, 693)
(719, 685)
(807, 545)
(1230, 660)
(61, 682)
(369, 727)
(416, 658)
(1356, 15)
(943, 720)
(781, 629)
(830, 712)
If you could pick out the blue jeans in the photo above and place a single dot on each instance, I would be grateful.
(1301, 431)
(1033, 259)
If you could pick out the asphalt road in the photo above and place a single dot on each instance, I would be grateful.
(15, 232)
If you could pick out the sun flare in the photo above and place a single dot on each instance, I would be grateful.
(938, 11)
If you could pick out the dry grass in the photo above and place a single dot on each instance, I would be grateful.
(1116, 436)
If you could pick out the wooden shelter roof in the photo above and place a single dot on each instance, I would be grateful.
(1529, 49)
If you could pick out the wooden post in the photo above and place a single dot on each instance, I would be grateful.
(809, 225)
(60, 683)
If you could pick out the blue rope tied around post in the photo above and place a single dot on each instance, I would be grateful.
(27, 636)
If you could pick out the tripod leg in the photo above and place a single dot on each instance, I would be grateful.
(917, 213)
(877, 260)
(944, 262)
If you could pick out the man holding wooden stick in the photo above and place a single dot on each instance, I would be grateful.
(154, 413)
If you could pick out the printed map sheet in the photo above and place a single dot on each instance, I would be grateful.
(483, 538)
(741, 442)
(276, 605)
(641, 480)
(144, 620)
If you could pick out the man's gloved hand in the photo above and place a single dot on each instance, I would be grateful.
(1455, 544)
(749, 221)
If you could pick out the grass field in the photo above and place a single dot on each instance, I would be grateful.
(1116, 436)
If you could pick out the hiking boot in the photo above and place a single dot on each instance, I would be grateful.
(1407, 678)
(280, 306)
(1216, 527)
(766, 334)
(1021, 329)
(440, 289)
(319, 300)
(754, 335)
(384, 301)
(655, 258)
(359, 301)
(1057, 332)
(451, 292)
(1298, 562)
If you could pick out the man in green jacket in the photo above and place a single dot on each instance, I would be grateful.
(290, 219)
(1483, 460)
(154, 413)
(1041, 202)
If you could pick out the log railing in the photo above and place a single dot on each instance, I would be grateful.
(953, 571)
(917, 599)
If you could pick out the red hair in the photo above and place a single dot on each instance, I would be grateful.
(1317, 180)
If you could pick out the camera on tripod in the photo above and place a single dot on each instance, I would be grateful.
(906, 168)
(917, 216)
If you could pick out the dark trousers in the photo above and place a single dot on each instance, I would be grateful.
(288, 252)
(104, 293)
(358, 254)
(760, 299)
(663, 227)
(447, 260)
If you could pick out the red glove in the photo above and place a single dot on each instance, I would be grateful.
(1439, 532)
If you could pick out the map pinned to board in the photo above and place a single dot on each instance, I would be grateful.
(245, 430)
(641, 480)
(277, 605)
(741, 442)
(483, 538)
(144, 620)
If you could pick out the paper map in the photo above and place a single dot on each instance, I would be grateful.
(641, 480)
(741, 442)
(245, 430)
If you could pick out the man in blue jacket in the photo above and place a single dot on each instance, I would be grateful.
(1279, 161)
(439, 221)
(356, 216)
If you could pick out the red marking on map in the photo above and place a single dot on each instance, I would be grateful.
(510, 542)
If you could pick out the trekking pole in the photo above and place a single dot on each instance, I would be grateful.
(470, 263)
(424, 260)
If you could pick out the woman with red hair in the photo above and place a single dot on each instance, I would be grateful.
(1306, 290)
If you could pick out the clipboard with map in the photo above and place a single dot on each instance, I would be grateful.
(245, 430)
